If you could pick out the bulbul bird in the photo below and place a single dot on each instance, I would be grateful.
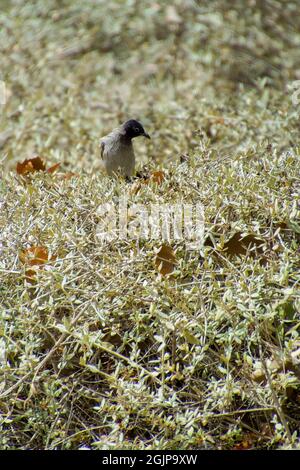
(117, 150)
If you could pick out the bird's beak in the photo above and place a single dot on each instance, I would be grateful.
(146, 135)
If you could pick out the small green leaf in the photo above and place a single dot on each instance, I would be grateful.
(190, 337)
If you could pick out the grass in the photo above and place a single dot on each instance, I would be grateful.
(97, 348)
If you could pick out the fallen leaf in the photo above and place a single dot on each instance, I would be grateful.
(34, 256)
(53, 168)
(31, 165)
(247, 442)
(30, 275)
(144, 177)
(281, 226)
(165, 260)
(157, 177)
(239, 244)
(219, 120)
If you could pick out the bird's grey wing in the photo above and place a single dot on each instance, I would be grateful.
(102, 147)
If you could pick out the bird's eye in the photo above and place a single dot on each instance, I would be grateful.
(136, 129)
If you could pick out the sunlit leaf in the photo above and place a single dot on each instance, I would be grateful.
(240, 244)
(35, 255)
(190, 337)
(53, 168)
(31, 165)
(165, 260)
(157, 177)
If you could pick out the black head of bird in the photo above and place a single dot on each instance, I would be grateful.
(133, 128)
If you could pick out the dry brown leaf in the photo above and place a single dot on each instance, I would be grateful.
(219, 120)
(36, 257)
(157, 177)
(281, 225)
(31, 165)
(30, 275)
(35, 164)
(165, 260)
(146, 178)
(239, 244)
(53, 168)
(247, 442)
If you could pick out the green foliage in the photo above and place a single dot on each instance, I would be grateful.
(98, 350)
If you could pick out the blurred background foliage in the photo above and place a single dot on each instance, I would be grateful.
(74, 70)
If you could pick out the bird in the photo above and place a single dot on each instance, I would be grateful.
(117, 151)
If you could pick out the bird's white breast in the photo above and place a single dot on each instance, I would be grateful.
(118, 156)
